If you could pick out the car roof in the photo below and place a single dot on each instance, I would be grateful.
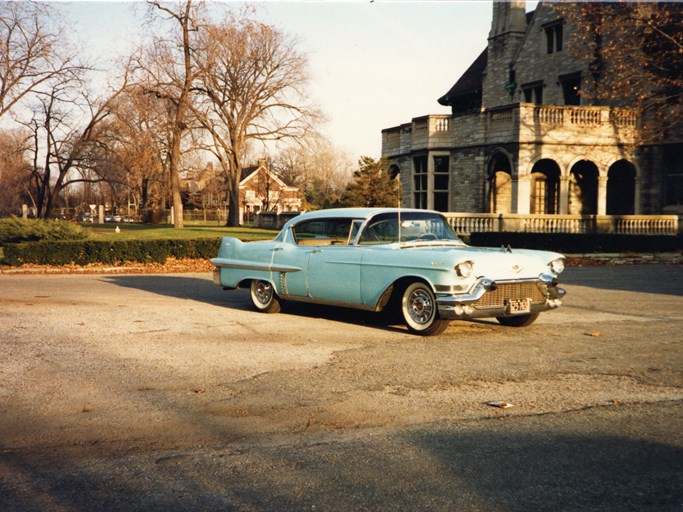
(352, 213)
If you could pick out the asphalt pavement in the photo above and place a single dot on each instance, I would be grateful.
(164, 392)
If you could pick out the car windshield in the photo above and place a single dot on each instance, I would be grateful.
(385, 228)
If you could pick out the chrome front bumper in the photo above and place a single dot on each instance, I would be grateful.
(490, 298)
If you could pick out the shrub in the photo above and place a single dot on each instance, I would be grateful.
(109, 252)
(15, 230)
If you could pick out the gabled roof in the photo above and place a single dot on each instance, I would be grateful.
(254, 172)
(470, 82)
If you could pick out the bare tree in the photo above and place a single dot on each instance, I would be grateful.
(136, 139)
(15, 171)
(633, 51)
(32, 51)
(252, 84)
(317, 168)
(65, 141)
(170, 72)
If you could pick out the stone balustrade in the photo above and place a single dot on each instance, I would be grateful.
(466, 223)
(523, 121)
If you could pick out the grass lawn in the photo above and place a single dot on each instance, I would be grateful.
(166, 231)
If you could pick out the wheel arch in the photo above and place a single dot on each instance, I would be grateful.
(392, 293)
(246, 282)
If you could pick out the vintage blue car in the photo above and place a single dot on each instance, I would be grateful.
(408, 263)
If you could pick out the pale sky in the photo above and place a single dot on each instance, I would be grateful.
(373, 65)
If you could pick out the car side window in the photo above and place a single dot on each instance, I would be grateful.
(381, 230)
(323, 232)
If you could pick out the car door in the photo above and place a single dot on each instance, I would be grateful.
(334, 274)
(292, 282)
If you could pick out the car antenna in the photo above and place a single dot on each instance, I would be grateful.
(399, 217)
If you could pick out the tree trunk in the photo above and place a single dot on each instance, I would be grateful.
(234, 207)
(178, 220)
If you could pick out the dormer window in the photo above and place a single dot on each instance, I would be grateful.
(553, 36)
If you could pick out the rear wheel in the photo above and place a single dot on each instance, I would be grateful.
(263, 297)
(420, 312)
(517, 321)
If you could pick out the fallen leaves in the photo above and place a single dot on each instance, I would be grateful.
(171, 266)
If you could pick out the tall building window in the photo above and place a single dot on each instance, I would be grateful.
(420, 182)
(553, 36)
(571, 88)
(533, 92)
(674, 188)
(441, 183)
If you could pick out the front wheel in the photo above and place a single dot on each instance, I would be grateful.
(263, 297)
(419, 309)
(517, 321)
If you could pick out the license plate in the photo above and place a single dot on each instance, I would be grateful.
(519, 306)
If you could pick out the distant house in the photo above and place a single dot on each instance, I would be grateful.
(520, 140)
(260, 190)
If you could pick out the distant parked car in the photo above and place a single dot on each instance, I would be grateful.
(408, 262)
(112, 217)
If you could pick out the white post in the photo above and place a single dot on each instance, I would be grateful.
(521, 194)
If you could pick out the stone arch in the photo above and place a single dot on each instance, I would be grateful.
(583, 188)
(621, 188)
(545, 187)
(394, 171)
(499, 183)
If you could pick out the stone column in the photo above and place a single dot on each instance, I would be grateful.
(637, 186)
(521, 194)
(430, 181)
(564, 195)
(602, 195)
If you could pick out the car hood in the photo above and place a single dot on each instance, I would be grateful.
(495, 263)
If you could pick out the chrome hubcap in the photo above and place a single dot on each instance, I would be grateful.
(263, 292)
(420, 306)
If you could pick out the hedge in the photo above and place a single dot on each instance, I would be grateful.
(574, 243)
(109, 252)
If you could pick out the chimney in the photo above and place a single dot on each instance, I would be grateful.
(508, 16)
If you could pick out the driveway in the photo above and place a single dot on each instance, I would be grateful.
(164, 392)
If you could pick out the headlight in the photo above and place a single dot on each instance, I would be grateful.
(557, 266)
(464, 269)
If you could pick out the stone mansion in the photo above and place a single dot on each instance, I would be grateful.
(519, 139)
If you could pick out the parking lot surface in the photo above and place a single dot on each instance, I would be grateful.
(164, 392)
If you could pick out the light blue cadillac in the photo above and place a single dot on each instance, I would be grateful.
(407, 262)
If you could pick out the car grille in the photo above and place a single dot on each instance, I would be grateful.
(497, 297)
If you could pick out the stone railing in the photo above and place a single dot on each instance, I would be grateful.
(466, 223)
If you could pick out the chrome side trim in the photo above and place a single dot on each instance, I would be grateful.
(240, 264)
(311, 300)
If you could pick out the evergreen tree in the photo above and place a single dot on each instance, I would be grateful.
(372, 185)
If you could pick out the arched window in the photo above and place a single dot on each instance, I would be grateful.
(621, 187)
(583, 188)
(499, 184)
(545, 187)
